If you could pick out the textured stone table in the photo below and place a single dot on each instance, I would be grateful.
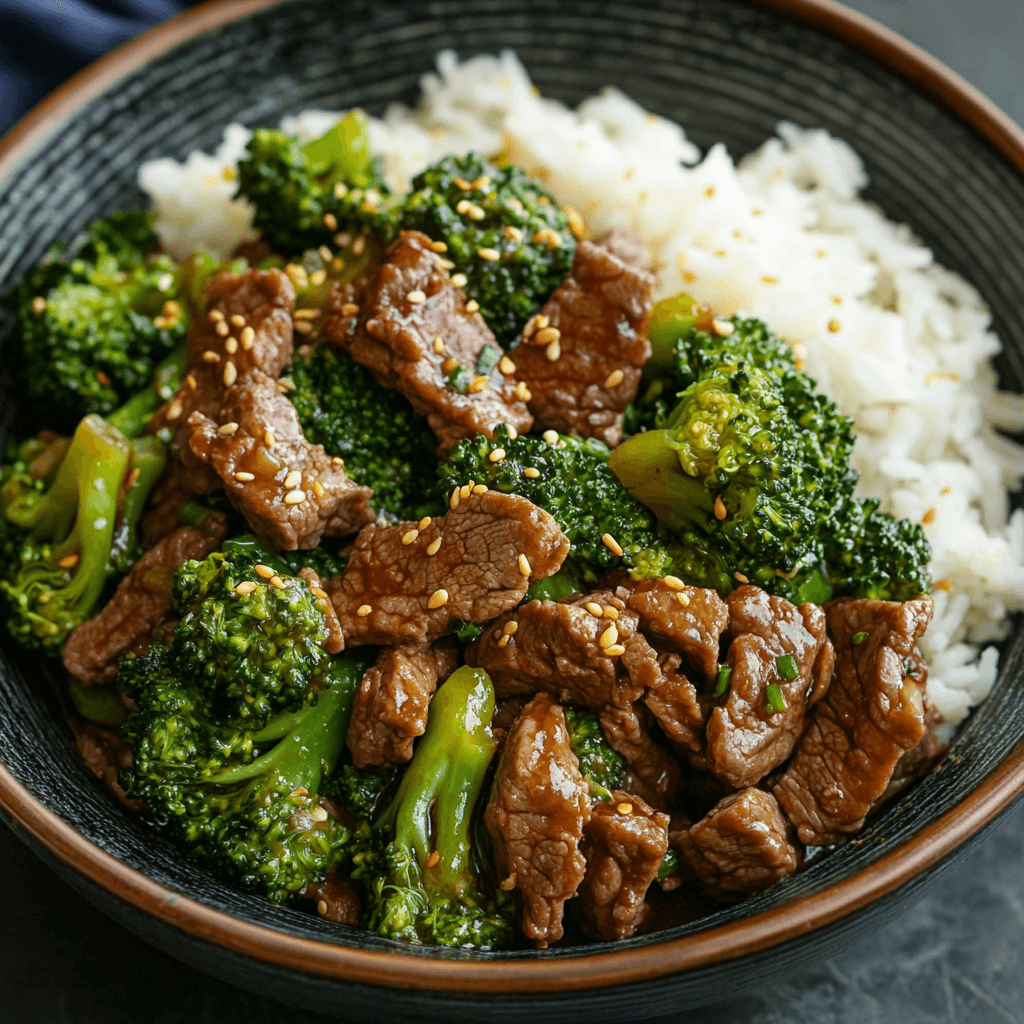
(953, 957)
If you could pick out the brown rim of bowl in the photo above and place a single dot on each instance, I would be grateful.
(592, 969)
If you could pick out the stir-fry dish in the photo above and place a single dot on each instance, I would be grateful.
(416, 567)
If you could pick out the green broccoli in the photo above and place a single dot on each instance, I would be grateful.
(386, 445)
(250, 635)
(305, 195)
(244, 802)
(479, 210)
(362, 791)
(599, 764)
(93, 323)
(70, 508)
(749, 469)
(574, 484)
(427, 884)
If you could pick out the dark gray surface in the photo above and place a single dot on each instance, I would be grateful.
(953, 957)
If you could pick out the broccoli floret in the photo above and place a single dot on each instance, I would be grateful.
(70, 508)
(249, 635)
(475, 207)
(385, 443)
(573, 483)
(305, 195)
(599, 764)
(244, 802)
(362, 791)
(427, 884)
(750, 471)
(94, 323)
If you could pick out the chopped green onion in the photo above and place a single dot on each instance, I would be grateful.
(465, 630)
(669, 864)
(773, 694)
(488, 359)
(858, 638)
(722, 683)
(786, 665)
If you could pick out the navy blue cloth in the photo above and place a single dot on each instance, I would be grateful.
(43, 42)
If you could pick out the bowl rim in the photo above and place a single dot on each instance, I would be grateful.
(593, 968)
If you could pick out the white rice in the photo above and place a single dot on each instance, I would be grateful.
(901, 343)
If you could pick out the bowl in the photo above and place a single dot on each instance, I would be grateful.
(940, 158)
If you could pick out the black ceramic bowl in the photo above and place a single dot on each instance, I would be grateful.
(940, 158)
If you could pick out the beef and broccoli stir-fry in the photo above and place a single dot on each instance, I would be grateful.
(415, 564)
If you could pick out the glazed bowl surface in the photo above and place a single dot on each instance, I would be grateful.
(939, 157)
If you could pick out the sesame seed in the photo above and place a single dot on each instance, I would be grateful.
(531, 472)
(242, 477)
(209, 356)
(304, 327)
(293, 479)
(295, 497)
(508, 884)
(723, 328)
(503, 640)
(238, 320)
(476, 212)
(416, 296)
(318, 814)
(477, 384)
(942, 585)
(547, 335)
(673, 581)
(331, 221)
(363, 610)
(190, 380)
(409, 536)
(609, 637)
(834, 325)
(720, 510)
(230, 374)
(611, 613)
(321, 907)
(614, 378)
(222, 329)
(133, 478)
(624, 808)
(480, 489)
(472, 306)
(465, 490)
(683, 599)
(214, 316)
(615, 651)
(524, 565)
(359, 245)
(455, 499)
(164, 282)
(424, 523)
(482, 184)
(496, 454)
(439, 344)
(510, 628)
(551, 437)
(611, 544)
(231, 346)
(548, 237)
(174, 410)
(247, 337)
(337, 460)
(434, 859)
(439, 246)
(69, 561)
(459, 280)
(318, 592)
(513, 233)
(340, 189)
(227, 429)
(349, 309)
(276, 582)
(245, 587)
(512, 432)
(929, 516)
(463, 184)
(325, 253)
(306, 314)
(318, 489)
(506, 366)
(265, 571)
(522, 392)
(594, 608)
(434, 546)
(553, 351)
(488, 254)
(268, 438)
(438, 599)
(462, 206)
(739, 577)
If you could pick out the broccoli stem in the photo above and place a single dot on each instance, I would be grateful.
(671, 319)
(97, 703)
(447, 774)
(132, 417)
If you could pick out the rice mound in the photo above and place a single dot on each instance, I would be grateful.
(902, 344)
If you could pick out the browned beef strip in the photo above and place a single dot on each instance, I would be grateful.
(263, 299)
(141, 602)
(869, 718)
(555, 648)
(745, 738)
(916, 761)
(627, 730)
(405, 584)
(257, 434)
(105, 754)
(390, 708)
(741, 847)
(337, 900)
(394, 336)
(687, 620)
(538, 808)
(623, 844)
(680, 708)
(598, 317)
(335, 641)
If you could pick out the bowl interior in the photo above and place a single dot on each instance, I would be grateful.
(725, 69)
